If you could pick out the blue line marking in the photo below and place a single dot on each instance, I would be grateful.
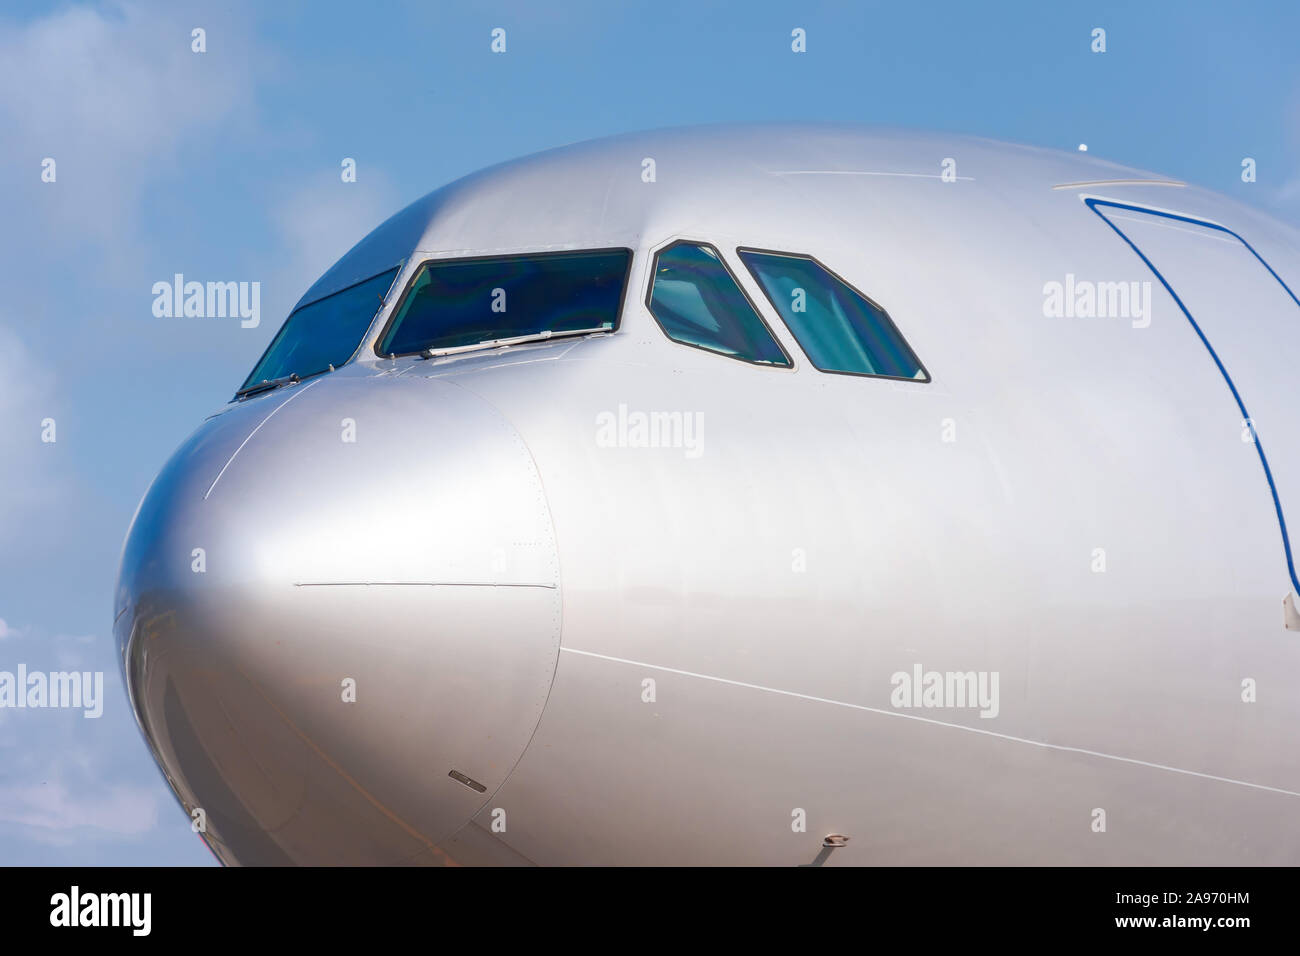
(1259, 445)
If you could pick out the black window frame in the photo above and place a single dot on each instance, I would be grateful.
(649, 294)
(929, 379)
(502, 257)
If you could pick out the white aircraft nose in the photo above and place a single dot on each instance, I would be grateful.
(339, 623)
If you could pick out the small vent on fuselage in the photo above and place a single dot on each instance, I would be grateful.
(467, 781)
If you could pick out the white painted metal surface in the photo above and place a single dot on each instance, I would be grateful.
(501, 585)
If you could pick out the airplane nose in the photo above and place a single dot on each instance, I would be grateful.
(339, 617)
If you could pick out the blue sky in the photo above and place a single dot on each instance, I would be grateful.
(225, 166)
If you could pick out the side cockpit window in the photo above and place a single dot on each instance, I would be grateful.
(322, 334)
(456, 304)
(839, 328)
(697, 302)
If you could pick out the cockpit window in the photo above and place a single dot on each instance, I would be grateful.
(696, 301)
(323, 333)
(461, 303)
(839, 328)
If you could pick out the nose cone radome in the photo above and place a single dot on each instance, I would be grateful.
(340, 623)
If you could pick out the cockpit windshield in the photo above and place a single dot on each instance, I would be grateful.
(321, 334)
(457, 303)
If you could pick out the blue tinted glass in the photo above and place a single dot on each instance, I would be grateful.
(697, 302)
(324, 333)
(457, 302)
(838, 329)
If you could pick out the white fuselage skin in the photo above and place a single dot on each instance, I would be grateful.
(705, 652)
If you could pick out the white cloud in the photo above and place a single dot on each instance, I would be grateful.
(114, 95)
(6, 630)
(31, 483)
(118, 808)
(326, 217)
(65, 779)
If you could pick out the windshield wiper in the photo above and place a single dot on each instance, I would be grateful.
(514, 340)
(266, 384)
